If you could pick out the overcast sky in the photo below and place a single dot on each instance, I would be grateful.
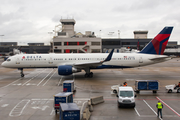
(26, 21)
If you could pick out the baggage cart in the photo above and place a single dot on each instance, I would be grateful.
(69, 111)
(146, 85)
(64, 97)
(68, 86)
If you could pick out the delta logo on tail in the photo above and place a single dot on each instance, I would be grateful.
(158, 44)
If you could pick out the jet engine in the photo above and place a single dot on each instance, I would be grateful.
(67, 70)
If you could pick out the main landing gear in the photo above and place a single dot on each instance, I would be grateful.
(22, 74)
(88, 73)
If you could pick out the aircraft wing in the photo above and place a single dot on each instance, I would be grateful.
(94, 63)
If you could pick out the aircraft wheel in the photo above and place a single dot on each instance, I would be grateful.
(86, 75)
(91, 74)
(22, 75)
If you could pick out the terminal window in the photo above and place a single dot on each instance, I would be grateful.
(57, 43)
(110, 42)
(95, 43)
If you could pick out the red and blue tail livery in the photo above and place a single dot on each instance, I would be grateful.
(158, 44)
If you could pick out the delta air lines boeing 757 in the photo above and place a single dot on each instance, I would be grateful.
(68, 64)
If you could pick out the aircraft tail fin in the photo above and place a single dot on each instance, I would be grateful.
(158, 44)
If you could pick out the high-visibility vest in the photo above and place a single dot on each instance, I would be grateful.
(125, 84)
(159, 105)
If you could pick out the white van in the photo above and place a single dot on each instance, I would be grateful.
(126, 97)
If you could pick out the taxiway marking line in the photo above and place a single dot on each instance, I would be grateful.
(16, 109)
(60, 80)
(44, 78)
(49, 78)
(152, 109)
(168, 107)
(137, 112)
(33, 77)
(52, 111)
(11, 83)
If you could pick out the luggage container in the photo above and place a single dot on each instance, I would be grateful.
(65, 97)
(69, 111)
(146, 85)
(68, 86)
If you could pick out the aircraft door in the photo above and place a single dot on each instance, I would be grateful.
(140, 59)
(50, 59)
(17, 60)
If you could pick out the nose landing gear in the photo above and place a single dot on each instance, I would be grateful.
(22, 74)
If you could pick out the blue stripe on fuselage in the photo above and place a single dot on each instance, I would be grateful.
(110, 66)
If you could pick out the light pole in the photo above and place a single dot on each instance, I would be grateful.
(119, 34)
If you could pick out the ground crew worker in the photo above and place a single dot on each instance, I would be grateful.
(125, 84)
(159, 106)
(177, 85)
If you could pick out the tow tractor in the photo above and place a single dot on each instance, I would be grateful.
(172, 88)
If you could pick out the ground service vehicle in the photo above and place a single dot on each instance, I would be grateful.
(171, 88)
(126, 97)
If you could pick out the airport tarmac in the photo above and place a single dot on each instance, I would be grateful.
(31, 97)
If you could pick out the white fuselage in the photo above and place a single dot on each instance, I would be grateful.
(118, 60)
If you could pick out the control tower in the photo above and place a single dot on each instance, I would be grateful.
(68, 26)
(140, 34)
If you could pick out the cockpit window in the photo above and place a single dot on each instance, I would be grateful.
(8, 59)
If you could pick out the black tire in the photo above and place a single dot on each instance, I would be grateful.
(90, 75)
(154, 91)
(114, 91)
(119, 105)
(22, 75)
(134, 106)
(178, 90)
(169, 91)
(137, 91)
(56, 111)
(86, 75)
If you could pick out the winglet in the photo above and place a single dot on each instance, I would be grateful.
(109, 56)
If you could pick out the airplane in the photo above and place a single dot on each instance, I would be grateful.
(68, 64)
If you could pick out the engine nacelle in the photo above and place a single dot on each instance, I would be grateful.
(67, 70)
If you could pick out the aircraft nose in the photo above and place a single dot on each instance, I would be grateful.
(3, 64)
